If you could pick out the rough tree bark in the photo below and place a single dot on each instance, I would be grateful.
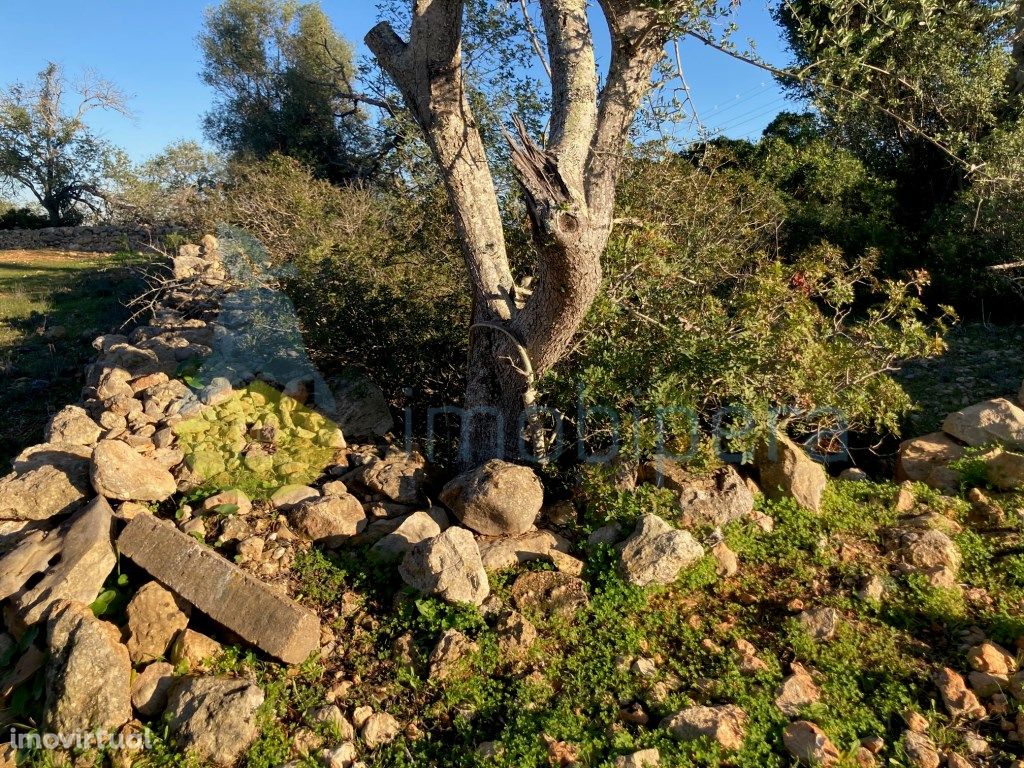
(568, 185)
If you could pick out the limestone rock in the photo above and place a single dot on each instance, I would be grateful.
(809, 744)
(51, 481)
(155, 617)
(86, 559)
(993, 421)
(516, 635)
(230, 498)
(288, 496)
(820, 623)
(449, 566)
(88, 676)
(215, 718)
(787, 470)
(151, 687)
(993, 658)
(715, 499)
(194, 649)
(221, 590)
(329, 520)
(929, 549)
(726, 561)
(959, 700)
(119, 472)
(398, 476)
(496, 499)
(380, 728)
(447, 657)
(1005, 470)
(413, 529)
(33, 554)
(725, 725)
(645, 758)
(656, 552)
(797, 691)
(550, 593)
(508, 551)
(73, 426)
(986, 685)
(921, 750)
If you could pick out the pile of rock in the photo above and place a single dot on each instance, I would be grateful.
(998, 423)
(109, 480)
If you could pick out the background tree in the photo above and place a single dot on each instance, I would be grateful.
(926, 96)
(170, 186)
(47, 149)
(282, 77)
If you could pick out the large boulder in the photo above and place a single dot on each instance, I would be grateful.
(787, 470)
(86, 559)
(214, 718)
(120, 472)
(73, 426)
(155, 617)
(925, 459)
(656, 552)
(88, 675)
(330, 520)
(48, 480)
(993, 421)
(496, 499)
(448, 566)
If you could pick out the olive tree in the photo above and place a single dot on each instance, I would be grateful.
(568, 184)
(46, 147)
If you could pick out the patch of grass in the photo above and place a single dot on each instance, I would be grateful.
(41, 370)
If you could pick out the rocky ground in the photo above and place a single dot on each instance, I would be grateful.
(214, 564)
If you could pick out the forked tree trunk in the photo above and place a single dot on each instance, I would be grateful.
(568, 186)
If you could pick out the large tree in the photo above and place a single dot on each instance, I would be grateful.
(282, 77)
(568, 185)
(46, 147)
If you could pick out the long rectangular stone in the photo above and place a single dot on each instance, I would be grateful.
(220, 589)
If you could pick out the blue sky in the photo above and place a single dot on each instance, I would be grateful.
(148, 49)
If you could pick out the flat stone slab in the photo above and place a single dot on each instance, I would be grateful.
(220, 589)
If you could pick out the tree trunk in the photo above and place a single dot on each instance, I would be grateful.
(53, 211)
(569, 187)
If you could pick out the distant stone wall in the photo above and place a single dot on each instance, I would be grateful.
(100, 239)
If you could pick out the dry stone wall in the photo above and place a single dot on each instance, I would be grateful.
(93, 239)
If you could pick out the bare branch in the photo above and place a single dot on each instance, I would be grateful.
(535, 38)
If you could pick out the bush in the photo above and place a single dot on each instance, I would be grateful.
(375, 275)
(23, 218)
(701, 310)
